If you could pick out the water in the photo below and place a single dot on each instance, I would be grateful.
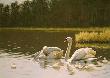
(16, 56)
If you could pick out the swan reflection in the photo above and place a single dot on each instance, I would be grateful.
(51, 63)
(89, 65)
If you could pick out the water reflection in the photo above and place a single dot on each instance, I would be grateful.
(88, 65)
(30, 42)
(51, 63)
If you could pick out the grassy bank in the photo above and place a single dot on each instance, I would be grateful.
(59, 29)
(93, 45)
(93, 37)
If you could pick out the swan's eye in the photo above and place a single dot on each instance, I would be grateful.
(65, 40)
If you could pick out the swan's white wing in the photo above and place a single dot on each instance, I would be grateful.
(48, 50)
(78, 54)
(90, 53)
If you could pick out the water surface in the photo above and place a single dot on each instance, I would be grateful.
(18, 47)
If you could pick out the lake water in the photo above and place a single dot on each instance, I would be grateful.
(18, 47)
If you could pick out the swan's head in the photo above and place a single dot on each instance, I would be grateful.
(68, 39)
(44, 47)
(44, 50)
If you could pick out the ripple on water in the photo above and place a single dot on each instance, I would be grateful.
(26, 68)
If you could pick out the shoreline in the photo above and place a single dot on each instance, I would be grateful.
(57, 29)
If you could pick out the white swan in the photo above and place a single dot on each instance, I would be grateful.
(81, 53)
(49, 52)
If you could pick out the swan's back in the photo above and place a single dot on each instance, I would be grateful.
(47, 50)
(82, 53)
(78, 54)
(50, 49)
(90, 53)
(52, 52)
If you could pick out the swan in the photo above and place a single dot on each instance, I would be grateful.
(82, 53)
(49, 52)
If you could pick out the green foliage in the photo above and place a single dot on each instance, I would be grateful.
(87, 37)
(56, 13)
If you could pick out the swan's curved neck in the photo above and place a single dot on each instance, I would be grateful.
(68, 51)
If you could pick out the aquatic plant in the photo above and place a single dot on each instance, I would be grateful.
(88, 37)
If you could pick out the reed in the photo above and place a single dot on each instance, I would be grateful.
(90, 37)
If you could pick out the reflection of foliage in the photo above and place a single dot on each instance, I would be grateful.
(94, 45)
(93, 37)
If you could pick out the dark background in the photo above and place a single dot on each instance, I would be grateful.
(56, 13)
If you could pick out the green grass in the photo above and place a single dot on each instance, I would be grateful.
(90, 37)
(93, 45)
(59, 29)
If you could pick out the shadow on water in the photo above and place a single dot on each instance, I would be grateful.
(21, 45)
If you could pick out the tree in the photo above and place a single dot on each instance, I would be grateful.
(26, 13)
(15, 14)
(1, 13)
(40, 12)
(5, 16)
